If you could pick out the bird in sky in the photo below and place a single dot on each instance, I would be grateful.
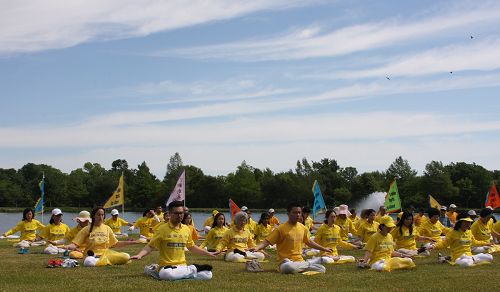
(387, 77)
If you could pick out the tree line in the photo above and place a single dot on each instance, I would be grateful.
(461, 183)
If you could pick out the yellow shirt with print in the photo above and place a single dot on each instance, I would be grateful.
(261, 232)
(54, 232)
(289, 240)
(99, 240)
(482, 231)
(251, 225)
(27, 229)
(452, 215)
(380, 246)
(418, 220)
(366, 230)
(116, 224)
(213, 237)
(403, 238)
(209, 222)
(160, 216)
(460, 243)
(236, 239)
(331, 237)
(171, 241)
(309, 223)
(346, 227)
(146, 225)
(432, 230)
(72, 233)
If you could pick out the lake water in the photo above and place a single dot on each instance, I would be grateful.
(9, 220)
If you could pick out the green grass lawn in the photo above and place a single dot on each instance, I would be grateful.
(29, 273)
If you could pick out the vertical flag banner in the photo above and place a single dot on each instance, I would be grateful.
(233, 208)
(179, 192)
(392, 200)
(493, 199)
(118, 197)
(40, 202)
(319, 203)
(434, 203)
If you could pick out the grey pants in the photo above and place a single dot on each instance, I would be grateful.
(291, 267)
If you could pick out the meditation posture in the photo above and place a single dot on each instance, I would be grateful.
(217, 231)
(171, 239)
(116, 223)
(264, 228)
(55, 231)
(28, 227)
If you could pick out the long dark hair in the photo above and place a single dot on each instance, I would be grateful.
(401, 221)
(92, 215)
(217, 217)
(327, 214)
(146, 212)
(367, 213)
(186, 214)
(263, 216)
(25, 213)
(51, 221)
(458, 225)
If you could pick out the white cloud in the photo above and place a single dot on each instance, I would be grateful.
(30, 26)
(309, 42)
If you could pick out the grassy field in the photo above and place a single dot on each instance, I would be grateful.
(29, 273)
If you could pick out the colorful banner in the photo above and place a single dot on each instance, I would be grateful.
(41, 201)
(233, 208)
(392, 200)
(179, 192)
(492, 198)
(319, 203)
(118, 197)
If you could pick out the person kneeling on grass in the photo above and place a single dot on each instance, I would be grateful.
(289, 238)
(380, 254)
(460, 240)
(330, 235)
(238, 240)
(170, 239)
(96, 239)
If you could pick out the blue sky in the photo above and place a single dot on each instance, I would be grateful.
(269, 82)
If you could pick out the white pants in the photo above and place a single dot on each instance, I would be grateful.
(291, 267)
(25, 243)
(52, 249)
(236, 257)
(339, 259)
(467, 261)
(184, 272)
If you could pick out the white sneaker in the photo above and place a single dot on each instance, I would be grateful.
(152, 270)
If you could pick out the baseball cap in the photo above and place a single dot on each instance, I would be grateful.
(56, 212)
(271, 210)
(453, 206)
(387, 221)
(114, 212)
(471, 213)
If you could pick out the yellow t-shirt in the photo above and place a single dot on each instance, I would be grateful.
(289, 240)
(331, 237)
(496, 227)
(160, 216)
(171, 241)
(366, 229)
(309, 223)
(403, 239)
(116, 224)
(261, 232)
(27, 229)
(194, 233)
(346, 227)
(418, 220)
(355, 221)
(452, 216)
(99, 240)
(433, 231)
(236, 239)
(380, 246)
(209, 222)
(251, 225)
(146, 225)
(460, 243)
(54, 232)
(73, 232)
(482, 231)
(274, 221)
(213, 237)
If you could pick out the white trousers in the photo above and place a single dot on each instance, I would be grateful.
(236, 257)
(339, 259)
(291, 267)
(467, 261)
(184, 272)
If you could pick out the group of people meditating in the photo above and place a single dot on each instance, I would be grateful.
(388, 244)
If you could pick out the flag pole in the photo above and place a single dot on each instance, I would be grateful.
(43, 193)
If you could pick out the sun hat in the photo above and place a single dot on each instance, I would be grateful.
(244, 208)
(114, 212)
(471, 213)
(343, 210)
(271, 210)
(453, 206)
(387, 221)
(56, 212)
(83, 216)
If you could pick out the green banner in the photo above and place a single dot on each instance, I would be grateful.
(392, 200)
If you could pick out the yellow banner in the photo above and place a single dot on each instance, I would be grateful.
(118, 197)
(433, 203)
